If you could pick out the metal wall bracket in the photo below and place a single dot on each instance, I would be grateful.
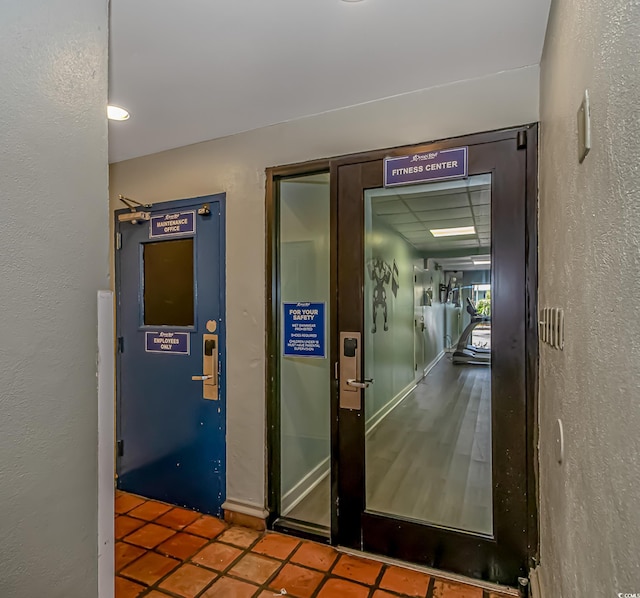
(134, 217)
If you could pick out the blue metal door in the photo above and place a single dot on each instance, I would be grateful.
(170, 329)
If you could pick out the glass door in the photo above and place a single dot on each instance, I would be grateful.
(432, 394)
(428, 412)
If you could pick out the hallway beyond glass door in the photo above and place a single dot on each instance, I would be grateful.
(428, 351)
(430, 457)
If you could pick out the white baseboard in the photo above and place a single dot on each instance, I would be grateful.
(376, 418)
(246, 508)
(433, 363)
(305, 486)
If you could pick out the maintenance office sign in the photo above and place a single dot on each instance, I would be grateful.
(172, 225)
(426, 167)
(304, 330)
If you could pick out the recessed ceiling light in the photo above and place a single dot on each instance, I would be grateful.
(481, 262)
(352, 0)
(117, 113)
(453, 232)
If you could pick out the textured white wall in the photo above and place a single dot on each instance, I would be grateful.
(590, 265)
(53, 259)
(236, 165)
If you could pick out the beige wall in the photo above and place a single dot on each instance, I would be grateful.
(236, 165)
(590, 266)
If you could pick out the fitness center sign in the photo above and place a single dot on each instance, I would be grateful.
(426, 167)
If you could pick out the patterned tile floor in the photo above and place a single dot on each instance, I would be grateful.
(164, 551)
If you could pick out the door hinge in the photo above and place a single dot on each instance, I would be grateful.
(121, 344)
(120, 448)
(522, 139)
(118, 240)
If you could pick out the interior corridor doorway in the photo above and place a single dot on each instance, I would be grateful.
(414, 276)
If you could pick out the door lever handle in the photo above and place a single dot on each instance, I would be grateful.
(201, 378)
(358, 384)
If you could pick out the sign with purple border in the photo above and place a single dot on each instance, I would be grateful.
(304, 329)
(170, 225)
(167, 342)
(426, 167)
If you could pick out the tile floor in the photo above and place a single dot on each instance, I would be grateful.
(163, 551)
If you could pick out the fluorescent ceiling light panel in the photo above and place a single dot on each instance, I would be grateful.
(453, 232)
(481, 262)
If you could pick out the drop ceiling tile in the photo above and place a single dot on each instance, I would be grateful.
(483, 225)
(481, 198)
(389, 207)
(412, 227)
(482, 211)
(447, 214)
(459, 244)
(443, 188)
(437, 202)
(413, 238)
(427, 244)
(399, 218)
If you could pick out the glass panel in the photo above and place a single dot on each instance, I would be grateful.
(305, 381)
(168, 283)
(428, 347)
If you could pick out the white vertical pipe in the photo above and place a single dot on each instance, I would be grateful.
(106, 443)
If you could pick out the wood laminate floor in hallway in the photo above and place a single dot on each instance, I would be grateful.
(430, 458)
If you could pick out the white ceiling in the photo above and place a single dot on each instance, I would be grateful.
(194, 70)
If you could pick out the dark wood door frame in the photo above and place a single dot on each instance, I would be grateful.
(343, 530)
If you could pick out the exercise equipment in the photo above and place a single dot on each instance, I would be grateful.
(465, 352)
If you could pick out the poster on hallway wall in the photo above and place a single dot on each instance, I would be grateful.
(383, 275)
(304, 330)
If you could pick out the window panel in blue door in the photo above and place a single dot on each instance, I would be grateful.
(168, 283)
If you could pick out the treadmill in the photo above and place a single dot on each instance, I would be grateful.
(465, 352)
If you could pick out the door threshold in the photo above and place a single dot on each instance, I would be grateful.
(301, 529)
(470, 581)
